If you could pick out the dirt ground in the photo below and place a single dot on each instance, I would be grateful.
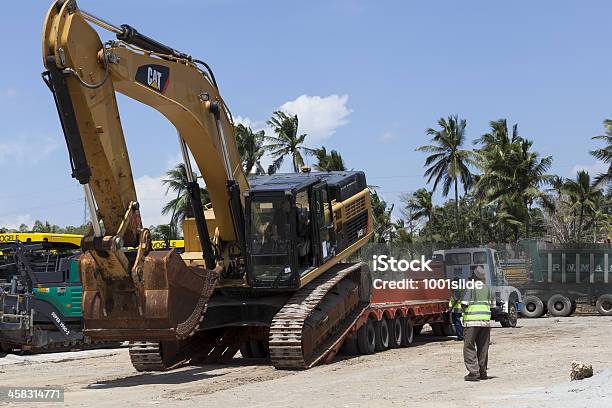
(530, 366)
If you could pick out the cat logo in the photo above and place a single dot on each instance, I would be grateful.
(153, 76)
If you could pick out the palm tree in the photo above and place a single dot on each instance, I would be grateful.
(449, 163)
(287, 142)
(180, 206)
(251, 148)
(419, 206)
(583, 197)
(605, 153)
(328, 162)
(512, 174)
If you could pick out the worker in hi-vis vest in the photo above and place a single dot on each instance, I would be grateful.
(477, 304)
(456, 310)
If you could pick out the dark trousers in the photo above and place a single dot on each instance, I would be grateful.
(476, 349)
(458, 325)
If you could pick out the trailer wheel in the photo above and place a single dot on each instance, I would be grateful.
(366, 338)
(533, 307)
(573, 309)
(396, 332)
(512, 317)
(604, 305)
(382, 334)
(559, 306)
(408, 337)
(437, 329)
(417, 329)
(350, 346)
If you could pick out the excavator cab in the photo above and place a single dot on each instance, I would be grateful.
(290, 230)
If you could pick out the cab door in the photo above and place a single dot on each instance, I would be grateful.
(324, 223)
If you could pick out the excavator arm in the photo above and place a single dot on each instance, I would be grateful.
(127, 296)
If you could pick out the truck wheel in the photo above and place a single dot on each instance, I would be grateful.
(408, 337)
(533, 307)
(604, 305)
(350, 346)
(559, 306)
(512, 317)
(366, 338)
(382, 334)
(396, 332)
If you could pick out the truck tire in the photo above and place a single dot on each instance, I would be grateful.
(396, 332)
(408, 337)
(559, 306)
(533, 307)
(350, 346)
(604, 305)
(382, 334)
(366, 338)
(511, 318)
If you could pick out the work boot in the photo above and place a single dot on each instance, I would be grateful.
(471, 377)
(484, 376)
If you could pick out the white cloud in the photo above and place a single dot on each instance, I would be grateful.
(387, 137)
(319, 116)
(9, 92)
(152, 198)
(594, 168)
(13, 222)
(31, 148)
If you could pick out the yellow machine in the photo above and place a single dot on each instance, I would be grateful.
(262, 269)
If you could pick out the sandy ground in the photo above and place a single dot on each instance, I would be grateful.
(530, 366)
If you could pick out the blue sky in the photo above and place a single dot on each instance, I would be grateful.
(366, 78)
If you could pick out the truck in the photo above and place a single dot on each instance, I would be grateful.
(460, 264)
(556, 278)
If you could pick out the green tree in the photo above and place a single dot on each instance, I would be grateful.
(448, 163)
(605, 154)
(420, 205)
(287, 142)
(328, 162)
(176, 182)
(583, 197)
(251, 148)
(512, 175)
(381, 214)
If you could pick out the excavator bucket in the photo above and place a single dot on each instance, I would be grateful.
(173, 299)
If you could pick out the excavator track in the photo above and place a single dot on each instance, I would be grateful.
(148, 356)
(292, 345)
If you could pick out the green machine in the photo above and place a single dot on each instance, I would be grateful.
(40, 297)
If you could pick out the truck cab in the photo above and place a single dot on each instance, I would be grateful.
(461, 262)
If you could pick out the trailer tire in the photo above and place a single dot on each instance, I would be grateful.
(533, 307)
(559, 305)
(511, 318)
(574, 306)
(417, 329)
(396, 332)
(350, 346)
(437, 329)
(366, 338)
(604, 304)
(382, 334)
(409, 331)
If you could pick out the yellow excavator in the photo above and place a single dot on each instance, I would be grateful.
(263, 269)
